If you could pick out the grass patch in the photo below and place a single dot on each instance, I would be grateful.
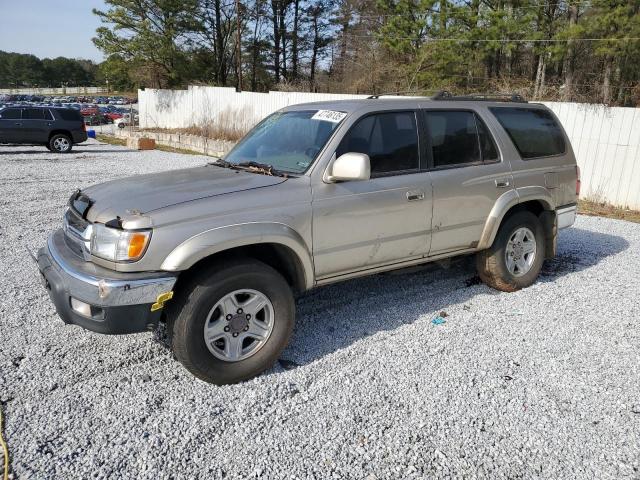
(165, 148)
(111, 140)
(598, 209)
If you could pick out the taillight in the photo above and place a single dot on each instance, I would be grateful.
(578, 182)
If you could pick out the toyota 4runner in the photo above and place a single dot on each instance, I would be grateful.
(316, 193)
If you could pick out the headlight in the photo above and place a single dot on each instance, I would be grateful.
(118, 245)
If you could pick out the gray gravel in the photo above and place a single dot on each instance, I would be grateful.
(542, 383)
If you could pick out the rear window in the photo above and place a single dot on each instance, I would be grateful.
(69, 114)
(534, 132)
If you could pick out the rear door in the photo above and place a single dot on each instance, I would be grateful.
(11, 126)
(542, 155)
(36, 123)
(468, 173)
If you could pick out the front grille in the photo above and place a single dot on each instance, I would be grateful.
(75, 221)
(74, 245)
(75, 233)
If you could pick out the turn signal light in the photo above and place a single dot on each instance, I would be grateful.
(137, 244)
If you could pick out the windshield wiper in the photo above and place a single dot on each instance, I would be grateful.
(218, 162)
(255, 167)
(263, 168)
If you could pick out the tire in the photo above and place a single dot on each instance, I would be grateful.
(121, 125)
(505, 275)
(60, 143)
(199, 305)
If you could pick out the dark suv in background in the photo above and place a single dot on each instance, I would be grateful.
(56, 128)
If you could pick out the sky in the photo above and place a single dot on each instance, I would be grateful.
(50, 28)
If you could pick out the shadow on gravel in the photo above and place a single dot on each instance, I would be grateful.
(580, 249)
(333, 317)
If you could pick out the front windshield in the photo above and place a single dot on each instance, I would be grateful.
(287, 141)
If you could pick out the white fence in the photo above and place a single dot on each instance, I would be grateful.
(606, 140)
(53, 91)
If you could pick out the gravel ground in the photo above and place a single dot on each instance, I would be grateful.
(542, 383)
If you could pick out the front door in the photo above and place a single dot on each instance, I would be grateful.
(363, 224)
(468, 177)
(11, 126)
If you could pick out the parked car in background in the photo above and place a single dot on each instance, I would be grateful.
(126, 120)
(97, 119)
(56, 128)
(86, 109)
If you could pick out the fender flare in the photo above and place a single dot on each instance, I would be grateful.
(219, 239)
(507, 201)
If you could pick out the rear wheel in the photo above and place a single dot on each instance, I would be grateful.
(231, 323)
(516, 256)
(60, 143)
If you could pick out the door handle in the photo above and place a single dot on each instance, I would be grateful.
(502, 183)
(18, 124)
(415, 196)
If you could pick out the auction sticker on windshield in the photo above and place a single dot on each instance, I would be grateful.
(329, 116)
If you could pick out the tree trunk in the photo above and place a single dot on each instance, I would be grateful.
(606, 80)
(540, 74)
(254, 50)
(221, 73)
(275, 9)
(443, 15)
(238, 47)
(343, 47)
(567, 66)
(314, 50)
(294, 41)
(283, 37)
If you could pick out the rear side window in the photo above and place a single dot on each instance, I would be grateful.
(454, 138)
(36, 114)
(534, 132)
(11, 114)
(69, 114)
(390, 139)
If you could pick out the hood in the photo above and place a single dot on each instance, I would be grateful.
(142, 194)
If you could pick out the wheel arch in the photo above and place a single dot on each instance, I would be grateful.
(275, 244)
(537, 200)
(60, 131)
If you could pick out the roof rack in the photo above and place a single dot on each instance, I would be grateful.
(401, 92)
(486, 97)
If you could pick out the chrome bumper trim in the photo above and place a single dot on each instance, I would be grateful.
(99, 286)
(566, 216)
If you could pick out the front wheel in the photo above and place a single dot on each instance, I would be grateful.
(231, 323)
(516, 256)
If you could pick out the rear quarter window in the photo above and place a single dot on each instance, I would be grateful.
(69, 114)
(534, 132)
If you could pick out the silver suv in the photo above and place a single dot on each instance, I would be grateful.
(314, 194)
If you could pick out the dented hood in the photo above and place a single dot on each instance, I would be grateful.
(142, 194)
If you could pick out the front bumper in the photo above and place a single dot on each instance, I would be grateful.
(97, 298)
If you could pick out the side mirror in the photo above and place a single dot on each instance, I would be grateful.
(350, 166)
